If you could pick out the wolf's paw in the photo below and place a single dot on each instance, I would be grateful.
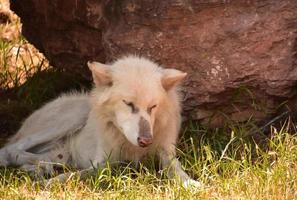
(46, 167)
(61, 178)
(192, 184)
(38, 170)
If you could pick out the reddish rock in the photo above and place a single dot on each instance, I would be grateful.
(240, 55)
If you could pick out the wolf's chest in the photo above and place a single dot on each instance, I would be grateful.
(129, 152)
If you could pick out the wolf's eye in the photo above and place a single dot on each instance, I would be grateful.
(131, 105)
(150, 109)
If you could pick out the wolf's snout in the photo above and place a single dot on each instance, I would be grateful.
(144, 141)
(145, 134)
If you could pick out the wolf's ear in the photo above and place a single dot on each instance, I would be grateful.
(171, 78)
(101, 73)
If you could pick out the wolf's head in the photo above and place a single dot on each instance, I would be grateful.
(131, 93)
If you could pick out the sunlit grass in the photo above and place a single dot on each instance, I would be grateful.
(229, 167)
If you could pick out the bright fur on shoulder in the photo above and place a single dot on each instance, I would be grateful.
(133, 111)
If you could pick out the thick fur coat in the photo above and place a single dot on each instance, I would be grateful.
(133, 111)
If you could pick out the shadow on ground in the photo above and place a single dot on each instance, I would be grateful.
(17, 103)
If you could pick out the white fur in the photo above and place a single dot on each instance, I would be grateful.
(84, 130)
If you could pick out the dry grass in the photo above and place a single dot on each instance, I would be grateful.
(19, 59)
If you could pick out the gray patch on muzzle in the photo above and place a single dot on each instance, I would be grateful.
(144, 128)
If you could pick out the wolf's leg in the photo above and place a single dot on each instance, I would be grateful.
(42, 137)
(19, 157)
(38, 170)
(82, 174)
(168, 160)
(15, 153)
(42, 163)
(16, 157)
(173, 165)
(62, 178)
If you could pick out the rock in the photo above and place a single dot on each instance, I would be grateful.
(241, 56)
(67, 32)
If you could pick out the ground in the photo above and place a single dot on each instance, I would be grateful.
(231, 162)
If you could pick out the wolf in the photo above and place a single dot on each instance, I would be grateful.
(133, 111)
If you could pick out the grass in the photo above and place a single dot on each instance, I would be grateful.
(230, 166)
(231, 163)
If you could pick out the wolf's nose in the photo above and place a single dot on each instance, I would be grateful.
(144, 141)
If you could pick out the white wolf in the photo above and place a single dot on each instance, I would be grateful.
(133, 111)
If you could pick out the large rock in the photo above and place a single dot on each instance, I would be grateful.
(240, 55)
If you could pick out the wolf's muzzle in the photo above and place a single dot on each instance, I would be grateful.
(145, 133)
